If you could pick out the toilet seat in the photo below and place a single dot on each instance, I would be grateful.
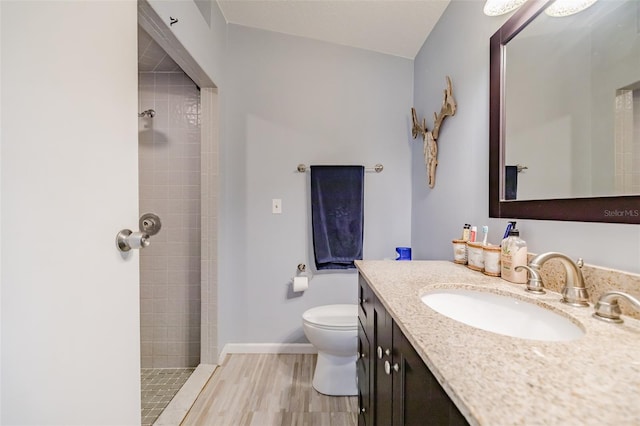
(332, 317)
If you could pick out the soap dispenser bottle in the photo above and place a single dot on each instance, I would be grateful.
(513, 254)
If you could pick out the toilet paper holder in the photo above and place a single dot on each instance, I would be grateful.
(300, 282)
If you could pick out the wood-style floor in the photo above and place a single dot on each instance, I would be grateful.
(268, 389)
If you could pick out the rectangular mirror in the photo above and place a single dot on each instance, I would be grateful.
(565, 114)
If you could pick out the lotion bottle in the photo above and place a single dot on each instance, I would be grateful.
(513, 254)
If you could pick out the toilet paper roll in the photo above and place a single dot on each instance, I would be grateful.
(300, 283)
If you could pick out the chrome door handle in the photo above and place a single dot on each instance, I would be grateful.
(127, 240)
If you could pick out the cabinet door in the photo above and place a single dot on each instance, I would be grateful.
(363, 367)
(418, 398)
(365, 306)
(383, 379)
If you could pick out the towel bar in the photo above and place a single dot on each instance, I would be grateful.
(377, 168)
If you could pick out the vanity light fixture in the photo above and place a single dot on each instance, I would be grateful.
(500, 7)
(562, 8)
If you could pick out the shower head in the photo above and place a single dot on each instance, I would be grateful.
(148, 113)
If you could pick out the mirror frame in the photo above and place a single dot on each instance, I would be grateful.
(615, 209)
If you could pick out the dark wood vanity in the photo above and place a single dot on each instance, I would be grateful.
(395, 387)
(447, 369)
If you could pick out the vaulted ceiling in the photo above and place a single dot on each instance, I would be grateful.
(394, 27)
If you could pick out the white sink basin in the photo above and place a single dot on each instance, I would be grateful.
(502, 314)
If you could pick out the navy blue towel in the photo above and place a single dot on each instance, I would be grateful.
(337, 215)
(511, 182)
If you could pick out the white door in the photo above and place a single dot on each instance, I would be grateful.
(70, 301)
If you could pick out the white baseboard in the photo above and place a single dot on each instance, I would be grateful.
(266, 348)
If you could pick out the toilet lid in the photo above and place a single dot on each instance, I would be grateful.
(333, 316)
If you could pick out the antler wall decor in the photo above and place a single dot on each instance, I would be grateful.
(430, 137)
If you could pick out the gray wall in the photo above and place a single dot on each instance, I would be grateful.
(459, 47)
(290, 100)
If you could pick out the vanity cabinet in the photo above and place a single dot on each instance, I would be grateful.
(363, 364)
(395, 387)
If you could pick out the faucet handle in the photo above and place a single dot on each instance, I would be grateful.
(607, 308)
(580, 262)
(534, 284)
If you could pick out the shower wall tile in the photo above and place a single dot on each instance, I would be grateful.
(179, 79)
(146, 349)
(162, 79)
(146, 307)
(209, 224)
(146, 291)
(146, 335)
(146, 79)
(169, 164)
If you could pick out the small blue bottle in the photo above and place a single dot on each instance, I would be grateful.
(404, 253)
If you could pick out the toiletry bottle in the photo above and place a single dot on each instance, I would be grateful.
(472, 235)
(513, 254)
(506, 231)
(466, 231)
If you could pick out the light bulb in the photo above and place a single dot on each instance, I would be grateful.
(500, 7)
(562, 8)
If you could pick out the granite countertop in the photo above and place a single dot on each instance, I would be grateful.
(499, 380)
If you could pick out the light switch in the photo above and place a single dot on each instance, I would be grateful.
(276, 206)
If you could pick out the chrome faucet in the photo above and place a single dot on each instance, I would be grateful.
(574, 292)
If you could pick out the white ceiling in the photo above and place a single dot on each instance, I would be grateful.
(394, 27)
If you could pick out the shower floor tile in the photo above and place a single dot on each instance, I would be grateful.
(159, 386)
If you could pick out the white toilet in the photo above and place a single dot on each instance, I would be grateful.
(333, 330)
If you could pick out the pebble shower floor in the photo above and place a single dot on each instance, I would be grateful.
(159, 386)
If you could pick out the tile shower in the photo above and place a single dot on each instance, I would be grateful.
(169, 157)
(169, 173)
